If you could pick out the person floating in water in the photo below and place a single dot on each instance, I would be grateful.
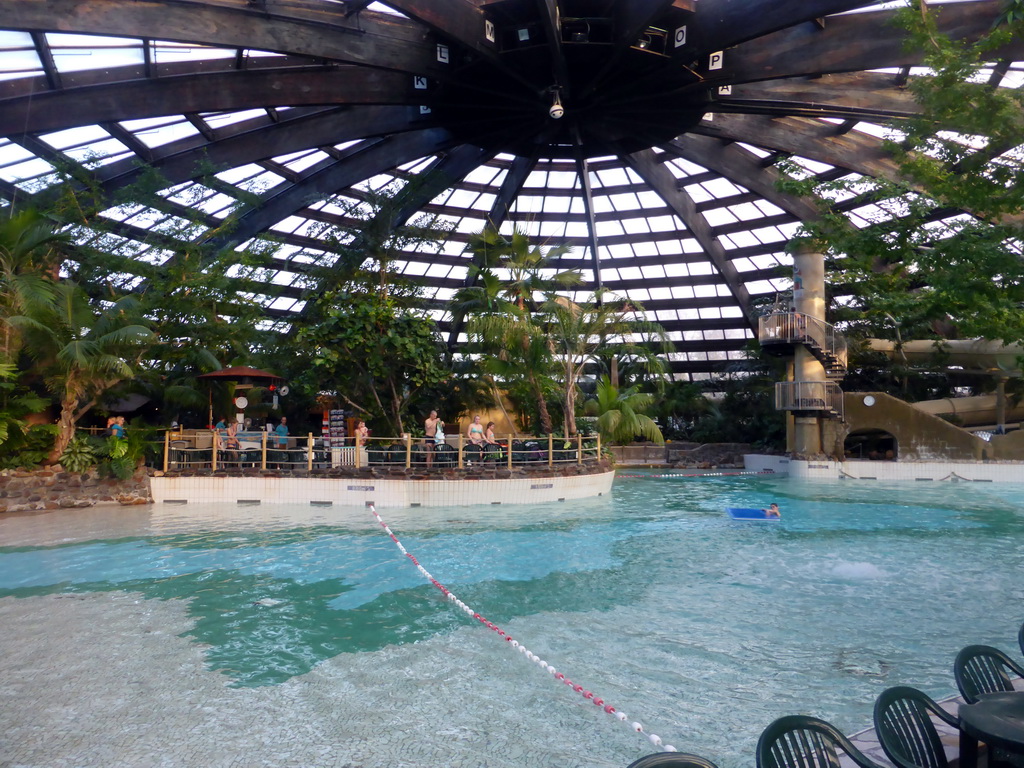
(772, 511)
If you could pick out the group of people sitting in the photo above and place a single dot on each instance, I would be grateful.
(227, 432)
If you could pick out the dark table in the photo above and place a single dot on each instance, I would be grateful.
(996, 719)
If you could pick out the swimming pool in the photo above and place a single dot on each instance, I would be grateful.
(258, 636)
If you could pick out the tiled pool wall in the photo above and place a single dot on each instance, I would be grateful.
(889, 471)
(381, 492)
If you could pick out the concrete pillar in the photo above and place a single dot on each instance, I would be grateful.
(1001, 405)
(790, 424)
(808, 299)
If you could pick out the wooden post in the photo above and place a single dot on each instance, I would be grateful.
(213, 455)
(358, 451)
(461, 437)
(408, 450)
(263, 451)
(510, 452)
(551, 449)
(167, 447)
(579, 447)
(598, 457)
(309, 453)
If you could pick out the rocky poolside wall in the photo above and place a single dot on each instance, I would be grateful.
(53, 488)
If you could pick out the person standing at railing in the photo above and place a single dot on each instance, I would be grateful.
(221, 428)
(430, 428)
(281, 433)
(475, 433)
(362, 432)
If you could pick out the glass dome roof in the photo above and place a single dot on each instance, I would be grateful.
(644, 134)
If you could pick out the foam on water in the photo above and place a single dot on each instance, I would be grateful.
(846, 570)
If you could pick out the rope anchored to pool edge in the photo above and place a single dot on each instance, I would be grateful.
(588, 695)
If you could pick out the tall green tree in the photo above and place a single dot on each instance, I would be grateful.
(580, 331)
(372, 353)
(372, 344)
(908, 260)
(29, 257)
(83, 348)
(510, 275)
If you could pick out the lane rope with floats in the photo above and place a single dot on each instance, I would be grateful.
(559, 676)
(703, 474)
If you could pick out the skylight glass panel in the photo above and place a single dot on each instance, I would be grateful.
(662, 223)
(158, 136)
(718, 217)
(11, 153)
(27, 172)
(99, 153)
(221, 119)
(75, 53)
(698, 194)
(18, 56)
(167, 52)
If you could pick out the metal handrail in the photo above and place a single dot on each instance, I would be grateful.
(801, 328)
(809, 396)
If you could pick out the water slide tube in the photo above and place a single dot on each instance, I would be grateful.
(970, 354)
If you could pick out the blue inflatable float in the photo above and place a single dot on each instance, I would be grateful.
(760, 515)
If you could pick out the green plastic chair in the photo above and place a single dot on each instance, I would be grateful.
(672, 760)
(799, 741)
(903, 723)
(981, 669)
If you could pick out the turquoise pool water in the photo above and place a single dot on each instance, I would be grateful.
(703, 628)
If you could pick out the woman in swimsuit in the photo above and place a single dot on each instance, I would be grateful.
(475, 433)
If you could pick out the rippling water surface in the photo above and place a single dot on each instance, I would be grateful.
(703, 628)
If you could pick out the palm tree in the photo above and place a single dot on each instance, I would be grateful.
(579, 332)
(27, 264)
(502, 310)
(620, 413)
(83, 350)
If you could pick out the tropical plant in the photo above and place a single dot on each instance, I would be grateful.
(579, 331)
(621, 416)
(79, 454)
(22, 444)
(503, 327)
(28, 262)
(83, 349)
(120, 456)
